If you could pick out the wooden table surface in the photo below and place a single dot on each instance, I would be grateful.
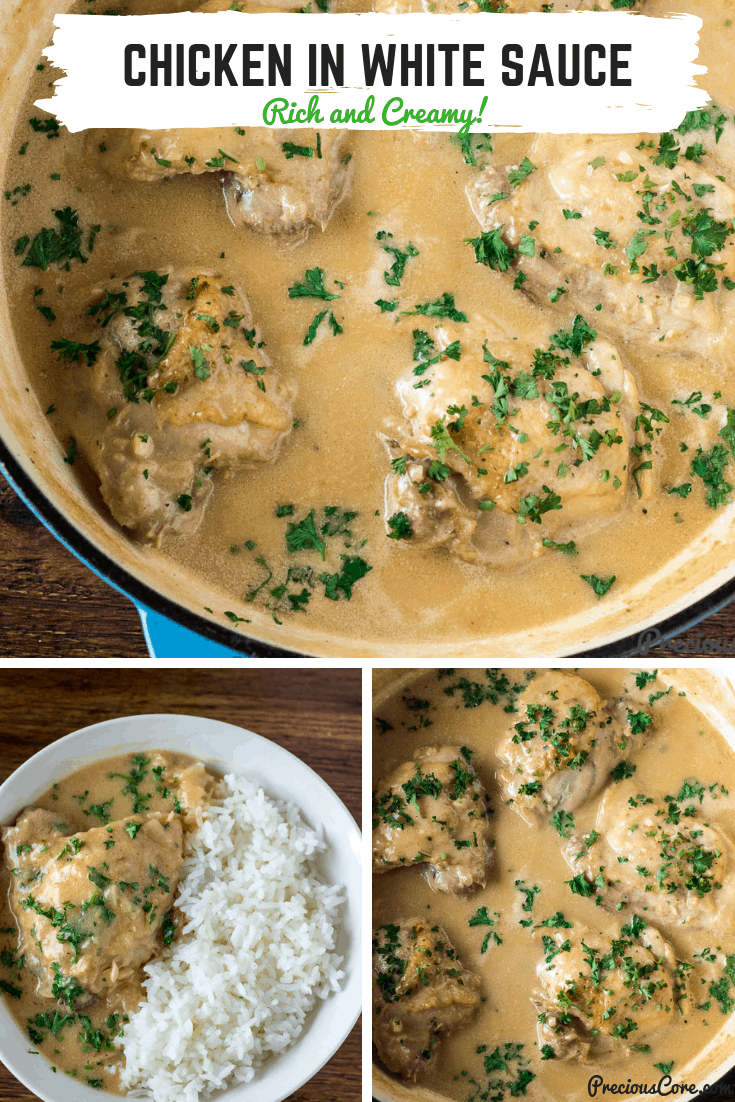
(316, 714)
(51, 606)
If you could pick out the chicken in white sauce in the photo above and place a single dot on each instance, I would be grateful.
(420, 991)
(580, 972)
(274, 181)
(599, 992)
(432, 811)
(561, 750)
(90, 904)
(663, 858)
(640, 226)
(506, 450)
(177, 387)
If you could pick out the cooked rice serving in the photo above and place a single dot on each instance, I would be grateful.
(255, 953)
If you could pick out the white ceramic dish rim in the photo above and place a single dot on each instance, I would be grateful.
(227, 748)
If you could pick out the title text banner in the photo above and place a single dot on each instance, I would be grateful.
(583, 72)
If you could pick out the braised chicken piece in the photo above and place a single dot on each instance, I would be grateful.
(431, 811)
(639, 225)
(420, 991)
(293, 184)
(176, 387)
(561, 750)
(505, 451)
(599, 992)
(282, 181)
(193, 790)
(274, 181)
(90, 905)
(663, 858)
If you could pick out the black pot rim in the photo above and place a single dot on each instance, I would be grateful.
(645, 640)
(140, 593)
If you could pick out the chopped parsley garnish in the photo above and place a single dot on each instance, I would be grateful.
(100, 811)
(400, 527)
(580, 885)
(304, 536)
(57, 245)
(709, 467)
(639, 721)
(312, 533)
(518, 175)
(482, 918)
(622, 771)
(477, 147)
(569, 548)
(168, 928)
(75, 351)
(532, 508)
(600, 585)
(316, 322)
(133, 779)
(290, 149)
(563, 821)
(442, 307)
(577, 339)
(400, 256)
(312, 286)
(65, 988)
(492, 250)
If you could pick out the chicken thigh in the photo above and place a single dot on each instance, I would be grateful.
(432, 811)
(504, 450)
(561, 752)
(90, 905)
(274, 181)
(420, 991)
(176, 387)
(663, 858)
(623, 222)
(597, 992)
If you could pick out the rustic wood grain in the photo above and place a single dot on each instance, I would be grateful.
(316, 714)
(715, 635)
(51, 605)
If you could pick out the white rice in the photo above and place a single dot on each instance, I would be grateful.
(255, 953)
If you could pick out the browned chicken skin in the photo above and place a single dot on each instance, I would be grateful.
(179, 388)
(420, 991)
(590, 255)
(663, 858)
(432, 811)
(89, 905)
(561, 749)
(600, 991)
(266, 185)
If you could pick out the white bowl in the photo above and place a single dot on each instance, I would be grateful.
(226, 748)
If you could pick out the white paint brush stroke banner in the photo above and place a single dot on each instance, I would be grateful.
(661, 69)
